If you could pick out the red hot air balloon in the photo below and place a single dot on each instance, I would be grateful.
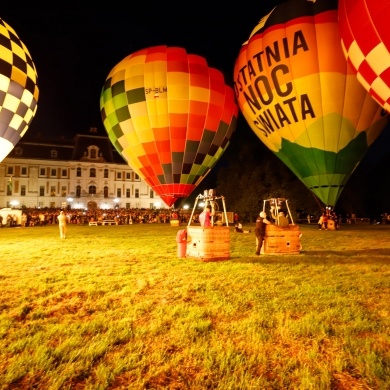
(365, 38)
(170, 116)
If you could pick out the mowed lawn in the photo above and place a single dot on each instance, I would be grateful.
(113, 307)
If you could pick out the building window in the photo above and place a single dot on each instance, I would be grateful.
(127, 192)
(78, 172)
(92, 152)
(63, 191)
(127, 205)
(42, 191)
(118, 193)
(64, 173)
(105, 173)
(54, 153)
(42, 171)
(128, 175)
(151, 194)
(78, 191)
(10, 170)
(18, 151)
(23, 190)
(92, 190)
(53, 172)
(23, 171)
(136, 177)
(92, 172)
(52, 191)
(136, 194)
(119, 175)
(105, 191)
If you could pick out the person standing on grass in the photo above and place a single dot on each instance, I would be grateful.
(261, 223)
(24, 220)
(320, 222)
(62, 224)
(325, 221)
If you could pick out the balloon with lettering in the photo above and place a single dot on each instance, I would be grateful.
(301, 98)
(170, 116)
(365, 38)
(18, 89)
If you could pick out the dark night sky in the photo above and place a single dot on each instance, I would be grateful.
(75, 48)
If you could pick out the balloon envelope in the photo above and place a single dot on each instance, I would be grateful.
(170, 116)
(18, 89)
(303, 101)
(365, 38)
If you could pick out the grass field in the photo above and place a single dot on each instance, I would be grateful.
(113, 307)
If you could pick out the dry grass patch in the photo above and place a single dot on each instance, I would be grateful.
(113, 307)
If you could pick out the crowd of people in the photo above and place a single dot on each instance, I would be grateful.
(121, 216)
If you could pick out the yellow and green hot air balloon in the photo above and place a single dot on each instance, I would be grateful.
(170, 116)
(18, 89)
(302, 99)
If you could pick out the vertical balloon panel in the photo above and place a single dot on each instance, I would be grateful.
(170, 116)
(18, 89)
(301, 98)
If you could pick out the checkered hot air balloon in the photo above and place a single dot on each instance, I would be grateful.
(302, 99)
(170, 116)
(18, 89)
(365, 39)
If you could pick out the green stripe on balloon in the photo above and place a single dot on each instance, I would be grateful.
(325, 173)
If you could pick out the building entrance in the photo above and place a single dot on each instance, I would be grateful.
(92, 205)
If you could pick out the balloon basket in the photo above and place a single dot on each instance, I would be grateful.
(282, 240)
(208, 243)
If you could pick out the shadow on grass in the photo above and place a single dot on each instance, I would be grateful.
(329, 256)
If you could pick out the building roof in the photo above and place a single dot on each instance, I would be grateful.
(67, 150)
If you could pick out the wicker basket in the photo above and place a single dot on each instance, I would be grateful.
(208, 243)
(279, 240)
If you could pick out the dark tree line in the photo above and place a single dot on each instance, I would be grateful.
(248, 173)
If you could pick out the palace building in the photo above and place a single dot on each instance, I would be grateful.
(83, 173)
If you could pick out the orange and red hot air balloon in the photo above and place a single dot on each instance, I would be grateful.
(170, 116)
(302, 99)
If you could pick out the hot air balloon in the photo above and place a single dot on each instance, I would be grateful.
(301, 98)
(365, 38)
(18, 89)
(170, 116)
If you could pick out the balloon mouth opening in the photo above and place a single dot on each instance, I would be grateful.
(326, 186)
